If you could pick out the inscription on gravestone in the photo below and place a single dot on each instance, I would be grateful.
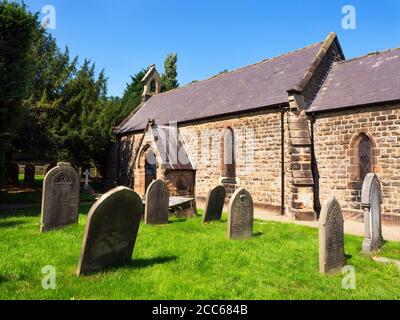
(331, 238)
(157, 203)
(371, 200)
(240, 215)
(60, 199)
(214, 204)
(111, 231)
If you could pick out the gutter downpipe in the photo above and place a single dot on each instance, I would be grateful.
(282, 160)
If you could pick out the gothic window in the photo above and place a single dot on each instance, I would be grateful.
(365, 157)
(362, 159)
(228, 154)
(153, 86)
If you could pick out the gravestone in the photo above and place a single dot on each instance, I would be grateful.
(111, 231)
(157, 203)
(240, 215)
(48, 167)
(29, 174)
(371, 200)
(13, 174)
(214, 204)
(331, 237)
(60, 199)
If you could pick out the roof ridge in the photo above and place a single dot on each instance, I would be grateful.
(319, 56)
(240, 69)
(372, 53)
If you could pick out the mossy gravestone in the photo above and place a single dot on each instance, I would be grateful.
(331, 238)
(60, 199)
(240, 215)
(111, 231)
(371, 200)
(157, 203)
(214, 204)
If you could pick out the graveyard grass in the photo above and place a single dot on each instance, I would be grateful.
(187, 260)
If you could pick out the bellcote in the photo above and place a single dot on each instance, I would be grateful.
(152, 83)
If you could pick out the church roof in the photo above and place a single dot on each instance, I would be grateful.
(256, 86)
(374, 78)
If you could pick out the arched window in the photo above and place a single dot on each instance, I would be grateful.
(228, 154)
(364, 157)
(153, 86)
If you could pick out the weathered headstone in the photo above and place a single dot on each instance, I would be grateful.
(111, 231)
(240, 215)
(13, 174)
(157, 203)
(60, 199)
(371, 200)
(331, 237)
(29, 174)
(214, 204)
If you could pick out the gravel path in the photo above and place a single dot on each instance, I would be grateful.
(391, 233)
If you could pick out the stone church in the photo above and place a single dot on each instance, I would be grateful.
(293, 130)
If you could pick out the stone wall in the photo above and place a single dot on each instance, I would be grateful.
(334, 136)
(257, 155)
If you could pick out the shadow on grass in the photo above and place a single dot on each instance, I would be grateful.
(3, 279)
(258, 234)
(144, 263)
(10, 224)
(29, 212)
(348, 257)
(177, 220)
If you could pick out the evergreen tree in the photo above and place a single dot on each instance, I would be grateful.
(16, 37)
(169, 78)
(132, 96)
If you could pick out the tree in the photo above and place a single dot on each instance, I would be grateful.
(132, 96)
(16, 37)
(169, 78)
(52, 69)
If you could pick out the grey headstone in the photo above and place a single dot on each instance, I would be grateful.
(60, 199)
(29, 174)
(331, 237)
(111, 231)
(371, 200)
(157, 203)
(214, 204)
(240, 215)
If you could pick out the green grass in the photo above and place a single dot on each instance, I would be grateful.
(187, 260)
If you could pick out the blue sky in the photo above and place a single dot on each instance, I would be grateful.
(122, 36)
